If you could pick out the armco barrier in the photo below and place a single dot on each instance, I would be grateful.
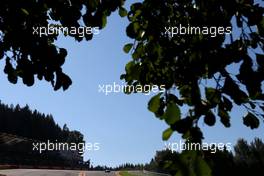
(9, 167)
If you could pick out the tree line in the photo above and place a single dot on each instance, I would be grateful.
(24, 122)
(246, 159)
(130, 166)
(33, 126)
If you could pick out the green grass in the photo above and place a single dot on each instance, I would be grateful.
(125, 173)
(133, 173)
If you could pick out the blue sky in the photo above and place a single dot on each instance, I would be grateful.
(125, 129)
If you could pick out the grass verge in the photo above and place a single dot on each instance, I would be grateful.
(125, 173)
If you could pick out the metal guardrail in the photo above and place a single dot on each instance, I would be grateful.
(11, 139)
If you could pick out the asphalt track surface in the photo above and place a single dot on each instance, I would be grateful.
(39, 172)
